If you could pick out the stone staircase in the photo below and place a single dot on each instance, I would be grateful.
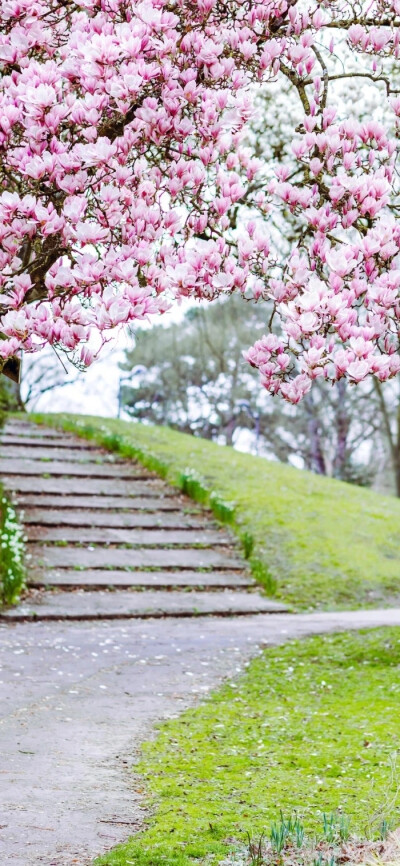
(107, 539)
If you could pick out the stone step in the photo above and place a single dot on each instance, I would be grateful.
(152, 503)
(36, 432)
(138, 537)
(106, 578)
(81, 605)
(52, 452)
(35, 442)
(84, 486)
(126, 539)
(189, 558)
(120, 519)
(22, 421)
(120, 471)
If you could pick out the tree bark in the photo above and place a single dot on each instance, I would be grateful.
(342, 421)
(316, 460)
(393, 440)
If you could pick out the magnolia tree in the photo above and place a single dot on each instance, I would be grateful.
(126, 185)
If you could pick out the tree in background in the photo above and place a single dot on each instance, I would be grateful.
(191, 376)
(387, 401)
(126, 185)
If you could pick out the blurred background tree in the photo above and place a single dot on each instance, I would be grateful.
(191, 376)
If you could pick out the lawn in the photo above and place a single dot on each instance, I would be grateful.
(312, 726)
(318, 543)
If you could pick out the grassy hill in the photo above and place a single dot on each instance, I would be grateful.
(320, 543)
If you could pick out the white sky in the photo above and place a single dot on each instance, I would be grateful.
(95, 391)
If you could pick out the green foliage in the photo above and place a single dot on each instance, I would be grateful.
(192, 485)
(224, 511)
(247, 544)
(263, 576)
(12, 569)
(322, 543)
(308, 732)
(288, 845)
(278, 836)
(285, 833)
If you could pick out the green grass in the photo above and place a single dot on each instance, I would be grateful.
(312, 726)
(316, 542)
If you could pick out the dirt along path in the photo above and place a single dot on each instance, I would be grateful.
(87, 669)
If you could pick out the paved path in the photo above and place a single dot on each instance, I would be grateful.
(79, 696)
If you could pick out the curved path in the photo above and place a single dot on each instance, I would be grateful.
(80, 693)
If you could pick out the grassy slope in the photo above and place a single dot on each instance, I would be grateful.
(310, 726)
(326, 543)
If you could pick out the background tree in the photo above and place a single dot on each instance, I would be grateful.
(387, 402)
(192, 376)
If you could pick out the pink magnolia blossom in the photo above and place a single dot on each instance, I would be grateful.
(126, 182)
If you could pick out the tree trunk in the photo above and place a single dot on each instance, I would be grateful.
(316, 455)
(229, 430)
(393, 441)
(342, 429)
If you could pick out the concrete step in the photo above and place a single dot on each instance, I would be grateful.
(89, 471)
(81, 605)
(108, 557)
(84, 486)
(34, 431)
(139, 537)
(36, 442)
(132, 503)
(92, 578)
(60, 517)
(55, 452)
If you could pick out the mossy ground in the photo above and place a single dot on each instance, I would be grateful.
(312, 726)
(321, 543)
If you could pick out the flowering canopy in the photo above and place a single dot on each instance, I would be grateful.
(125, 183)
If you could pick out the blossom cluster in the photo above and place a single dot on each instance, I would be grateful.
(338, 298)
(125, 182)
